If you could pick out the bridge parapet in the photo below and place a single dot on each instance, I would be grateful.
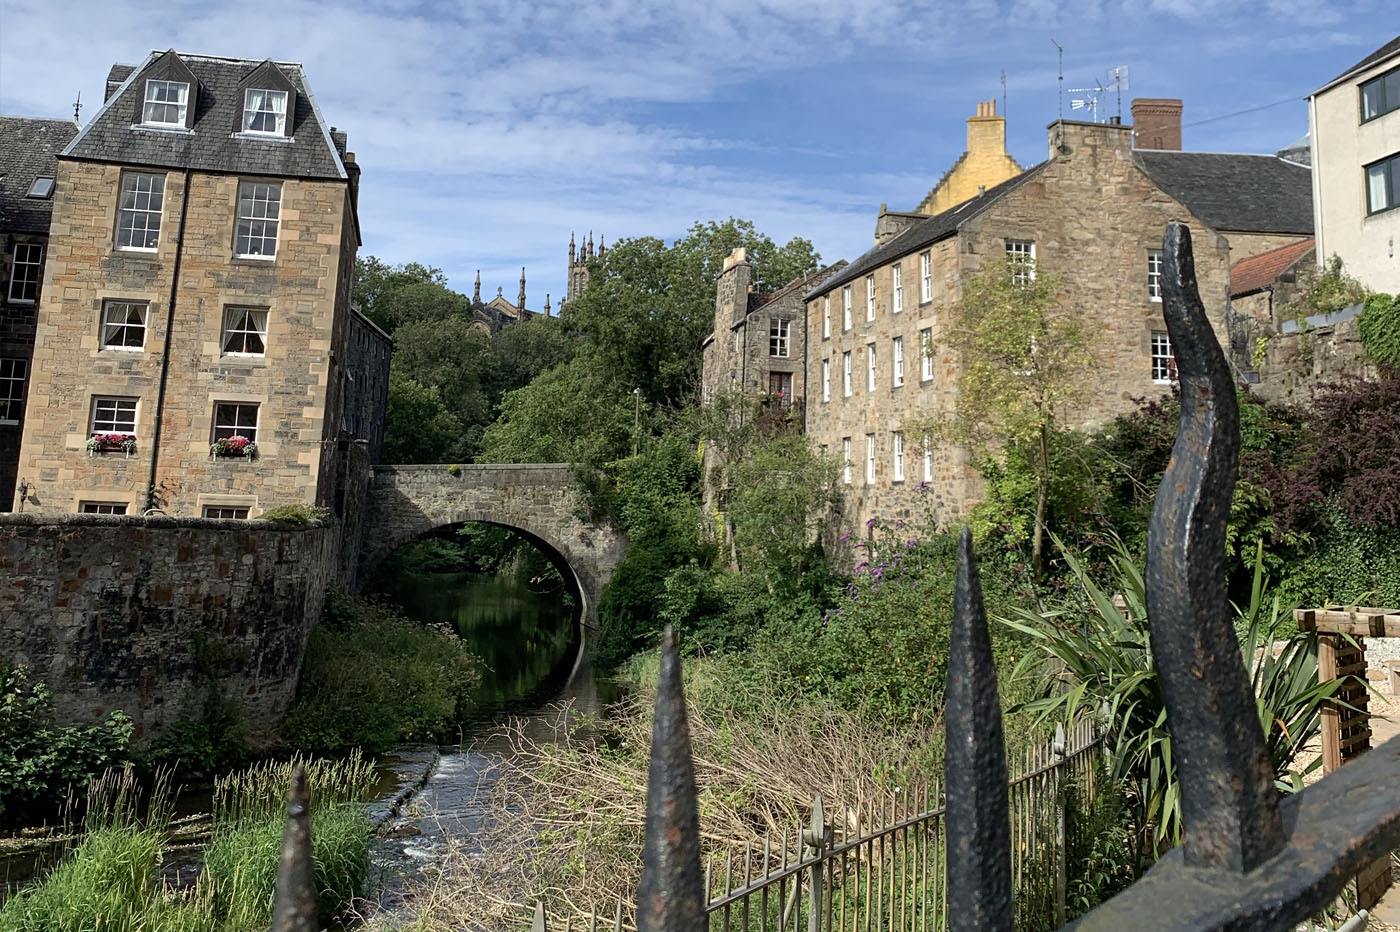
(538, 499)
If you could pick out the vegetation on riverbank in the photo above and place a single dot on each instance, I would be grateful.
(373, 678)
(112, 879)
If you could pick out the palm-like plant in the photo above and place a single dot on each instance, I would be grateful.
(1097, 659)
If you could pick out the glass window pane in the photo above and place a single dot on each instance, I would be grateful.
(1375, 186)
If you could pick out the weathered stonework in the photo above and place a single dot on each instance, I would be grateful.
(141, 614)
(406, 502)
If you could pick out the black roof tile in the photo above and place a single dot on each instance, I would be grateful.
(28, 146)
(212, 144)
(1243, 193)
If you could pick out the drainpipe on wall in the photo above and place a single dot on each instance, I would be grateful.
(165, 350)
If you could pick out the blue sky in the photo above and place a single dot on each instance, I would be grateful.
(488, 131)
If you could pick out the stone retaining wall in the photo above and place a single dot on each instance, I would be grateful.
(142, 614)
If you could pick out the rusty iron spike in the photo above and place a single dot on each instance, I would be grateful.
(669, 898)
(1229, 806)
(979, 831)
(294, 908)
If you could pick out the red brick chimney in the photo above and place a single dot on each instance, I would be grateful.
(1157, 123)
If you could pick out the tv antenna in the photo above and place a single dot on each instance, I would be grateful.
(1118, 79)
(1060, 49)
(1003, 93)
(77, 107)
(1090, 100)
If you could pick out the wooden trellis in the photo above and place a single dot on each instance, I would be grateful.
(1346, 721)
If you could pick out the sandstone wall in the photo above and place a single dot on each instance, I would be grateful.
(139, 614)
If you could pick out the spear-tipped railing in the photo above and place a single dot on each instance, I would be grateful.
(1249, 861)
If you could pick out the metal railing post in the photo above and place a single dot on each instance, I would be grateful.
(1059, 752)
(815, 838)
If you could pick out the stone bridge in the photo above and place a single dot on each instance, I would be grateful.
(538, 500)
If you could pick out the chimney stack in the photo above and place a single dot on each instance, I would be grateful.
(1157, 123)
(986, 132)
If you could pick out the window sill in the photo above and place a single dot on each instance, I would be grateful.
(257, 261)
(6, 422)
(277, 138)
(122, 349)
(897, 385)
(135, 252)
(1164, 381)
(1383, 210)
(1157, 300)
(1382, 114)
(177, 129)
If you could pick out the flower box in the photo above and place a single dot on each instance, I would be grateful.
(111, 443)
(237, 445)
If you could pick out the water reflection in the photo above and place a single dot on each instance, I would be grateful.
(525, 633)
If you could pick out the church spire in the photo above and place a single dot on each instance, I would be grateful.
(546, 304)
(521, 303)
(571, 248)
(602, 246)
(476, 292)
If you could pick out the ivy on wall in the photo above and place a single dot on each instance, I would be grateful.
(1379, 329)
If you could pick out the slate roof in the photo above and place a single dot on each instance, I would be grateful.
(28, 147)
(1385, 51)
(1240, 193)
(1259, 272)
(212, 144)
(924, 233)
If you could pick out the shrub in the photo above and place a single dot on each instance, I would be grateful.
(1379, 329)
(378, 679)
(204, 742)
(40, 762)
(295, 513)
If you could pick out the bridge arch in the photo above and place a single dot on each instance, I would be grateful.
(539, 500)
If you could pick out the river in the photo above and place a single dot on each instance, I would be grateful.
(527, 638)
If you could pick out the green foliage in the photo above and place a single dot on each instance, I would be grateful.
(395, 295)
(1379, 329)
(1331, 290)
(1023, 359)
(421, 428)
(377, 679)
(296, 513)
(1093, 653)
(1349, 564)
(574, 413)
(206, 739)
(39, 761)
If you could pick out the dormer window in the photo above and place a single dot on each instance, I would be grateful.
(166, 103)
(265, 112)
(41, 188)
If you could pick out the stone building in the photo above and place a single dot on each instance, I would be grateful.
(1093, 213)
(1354, 125)
(28, 168)
(196, 351)
(578, 266)
(492, 315)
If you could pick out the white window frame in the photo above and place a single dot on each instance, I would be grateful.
(846, 364)
(779, 330)
(115, 407)
(898, 379)
(221, 421)
(14, 376)
(925, 356)
(215, 512)
(1154, 275)
(259, 219)
(846, 459)
(181, 102)
(253, 114)
(928, 458)
(826, 317)
(1020, 254)
(826, 380)
(1163, 359)
(870, 297)
(116, 321)
(102, 508)
(870, 367)
(235, 316)
(26, 271)
(898, 455)
(846, 305)
(869, 459)
(140, 188)
(897, 288)
(925, 277)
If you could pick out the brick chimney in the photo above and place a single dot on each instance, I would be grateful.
(1157, 123)
(986, 132)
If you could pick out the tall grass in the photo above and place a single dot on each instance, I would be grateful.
(110, 881)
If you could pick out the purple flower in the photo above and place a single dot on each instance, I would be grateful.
(899, 525)
(860, 567)
(911, 543)
(846, 536)
(870, 523)
(922, 486)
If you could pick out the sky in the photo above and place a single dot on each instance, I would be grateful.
(490, 131)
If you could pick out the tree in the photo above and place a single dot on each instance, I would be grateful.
(420, 427)
(1024, 360)
(391, 295)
